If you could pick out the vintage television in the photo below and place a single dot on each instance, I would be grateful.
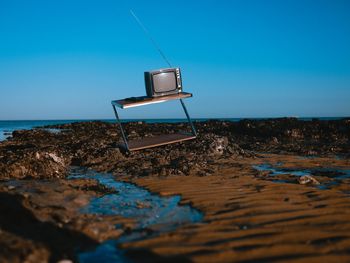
(163, 82)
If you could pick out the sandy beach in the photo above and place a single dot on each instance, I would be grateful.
(268, 191)
(250, 219)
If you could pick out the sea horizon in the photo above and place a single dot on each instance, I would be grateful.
(200, 118)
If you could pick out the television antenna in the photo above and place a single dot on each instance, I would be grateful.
(147, 33)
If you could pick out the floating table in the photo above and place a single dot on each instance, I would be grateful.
(161, 139)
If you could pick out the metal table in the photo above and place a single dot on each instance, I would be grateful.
(159, 140)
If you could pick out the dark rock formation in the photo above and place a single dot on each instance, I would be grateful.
(41, 154)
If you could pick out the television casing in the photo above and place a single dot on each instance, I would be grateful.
(162, 82)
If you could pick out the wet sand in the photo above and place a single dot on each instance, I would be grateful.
(249, 219)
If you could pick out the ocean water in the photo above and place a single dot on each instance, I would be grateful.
(7, 127)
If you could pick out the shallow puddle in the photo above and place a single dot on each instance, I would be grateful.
(334, 175)
(277, 171)
(153, 214)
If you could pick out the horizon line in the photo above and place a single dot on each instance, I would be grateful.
(199, 118)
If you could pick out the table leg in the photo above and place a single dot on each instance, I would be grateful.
(194, 132)
(121, 128)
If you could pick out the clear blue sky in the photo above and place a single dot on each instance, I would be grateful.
(69, 59)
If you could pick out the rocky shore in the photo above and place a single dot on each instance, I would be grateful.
(40, 219)
(40, 153)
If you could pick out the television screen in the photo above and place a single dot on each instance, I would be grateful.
(163, 82)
